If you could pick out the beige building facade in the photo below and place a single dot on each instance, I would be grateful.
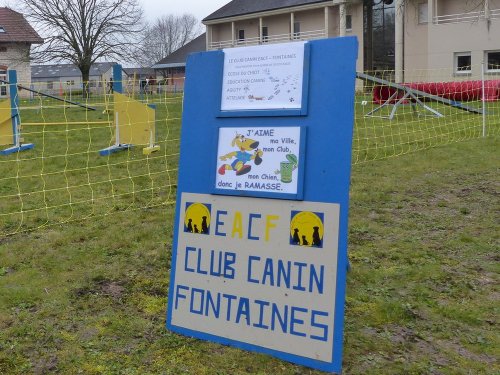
(314, 20)
(441, 40)
(16, 38)
(452, 38)
(14, 56)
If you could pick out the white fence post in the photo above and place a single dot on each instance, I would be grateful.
(484, 99)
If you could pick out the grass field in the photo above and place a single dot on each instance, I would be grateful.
(89, 296)
(64, 179)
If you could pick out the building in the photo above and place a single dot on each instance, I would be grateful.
(452, 37)
(64, 79)
(136, 80)
(247, 22)
(172, 69)
(139, 74)
(16, 38)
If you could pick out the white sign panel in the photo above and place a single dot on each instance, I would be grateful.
(263, 77)
(261, 159)
(258, 271)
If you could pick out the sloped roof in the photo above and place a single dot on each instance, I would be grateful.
(15, 28)
(241, 7)
(178, 58)
(67, 70)
(139, 71)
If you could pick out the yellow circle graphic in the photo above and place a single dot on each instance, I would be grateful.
(306, 229)
(197, 218)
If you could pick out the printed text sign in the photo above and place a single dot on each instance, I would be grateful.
(256, 271)
(263, 77)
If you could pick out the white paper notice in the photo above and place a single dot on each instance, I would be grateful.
(261, 159)
(263, 77)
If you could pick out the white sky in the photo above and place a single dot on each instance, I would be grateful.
(199, 8)
(157, 8)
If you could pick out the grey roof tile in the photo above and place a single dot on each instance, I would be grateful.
(68, 70)
(179, 56)
(16, 29)
(241, 7)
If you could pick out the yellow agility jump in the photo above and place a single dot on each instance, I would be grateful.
(134, 121)
(10, 123)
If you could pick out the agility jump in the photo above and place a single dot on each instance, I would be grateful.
(134, 121)
(10, 121)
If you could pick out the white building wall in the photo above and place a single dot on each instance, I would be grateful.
(475, 36)
(16, 57)
(280, 25)
(430, 48)
(415, 44)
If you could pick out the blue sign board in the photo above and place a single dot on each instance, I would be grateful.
(260, 238)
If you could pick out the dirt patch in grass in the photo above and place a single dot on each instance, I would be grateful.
(104, 287)
(43, 366)
(447, 345)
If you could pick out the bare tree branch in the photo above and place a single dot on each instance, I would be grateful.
(84, 31)
(166, 35)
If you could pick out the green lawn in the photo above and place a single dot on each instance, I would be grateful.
(64, 179)
(89, 296)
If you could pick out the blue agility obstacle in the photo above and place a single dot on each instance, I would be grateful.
(117, 86)
(134, 122)
(18, 146)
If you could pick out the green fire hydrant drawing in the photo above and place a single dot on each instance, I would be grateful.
(287, 167)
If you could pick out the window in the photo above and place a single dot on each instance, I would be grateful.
(462, 62)
(265, 34)
(70, 82)
(2, 30)
(50, 85)
(3, 49)
(241, 35)
(423, 15)
(348, 22)
(296, 30)
(492, 61)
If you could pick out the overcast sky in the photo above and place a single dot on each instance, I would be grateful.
(156, 8)
(199, 8)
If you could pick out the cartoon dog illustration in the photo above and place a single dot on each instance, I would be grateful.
(242, 156)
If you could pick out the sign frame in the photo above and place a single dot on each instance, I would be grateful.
(327, 162)
(302, 111)
(262, 194)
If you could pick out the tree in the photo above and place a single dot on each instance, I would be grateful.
(165, 35)
(84, 31)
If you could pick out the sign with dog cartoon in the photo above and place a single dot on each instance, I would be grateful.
(259, 252)
(263, 77)
(260, 159)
